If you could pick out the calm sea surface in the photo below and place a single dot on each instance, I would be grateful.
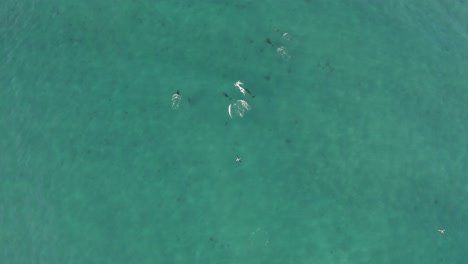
(354, 148)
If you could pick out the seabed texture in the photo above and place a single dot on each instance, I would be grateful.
(354, 149)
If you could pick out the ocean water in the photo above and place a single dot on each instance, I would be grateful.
(354, 150)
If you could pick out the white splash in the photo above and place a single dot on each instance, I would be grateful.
(282, 51)
(176, 100)
(239, 108)
(238, 85)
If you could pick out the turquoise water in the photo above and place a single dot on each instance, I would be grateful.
(354, 150)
